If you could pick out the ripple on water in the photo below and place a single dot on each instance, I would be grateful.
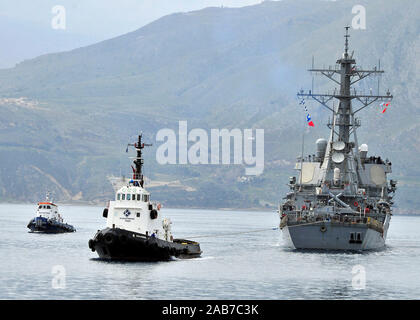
(242, 266)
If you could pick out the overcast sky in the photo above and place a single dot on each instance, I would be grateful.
(103, 19)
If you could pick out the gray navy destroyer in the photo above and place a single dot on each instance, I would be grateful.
(342, 198)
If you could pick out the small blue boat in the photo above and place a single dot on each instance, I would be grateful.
(48, 219)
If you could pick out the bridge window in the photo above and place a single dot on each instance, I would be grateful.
(48, 207)
(138, 197)
(133, 197)
(118, 196)
(123, 196)
(145, 197)
(138, 214)
(128, 196)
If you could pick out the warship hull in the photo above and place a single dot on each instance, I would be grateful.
(123, 245)
(327, 236)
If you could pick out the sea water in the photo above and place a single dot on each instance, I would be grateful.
(244, 257)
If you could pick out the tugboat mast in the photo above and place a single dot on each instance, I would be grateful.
(343, 117)
(138, 160)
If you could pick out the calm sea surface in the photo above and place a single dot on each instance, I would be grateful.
(242, 266)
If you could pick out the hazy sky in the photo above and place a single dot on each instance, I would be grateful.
(102, 19)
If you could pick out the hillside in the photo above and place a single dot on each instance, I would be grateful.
(215, 68)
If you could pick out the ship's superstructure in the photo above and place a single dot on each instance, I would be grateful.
(48, 219)
(341, 198)
(135, 229)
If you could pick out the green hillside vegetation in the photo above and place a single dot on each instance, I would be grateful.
(215, 68)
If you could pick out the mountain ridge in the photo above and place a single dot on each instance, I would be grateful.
(215, 68)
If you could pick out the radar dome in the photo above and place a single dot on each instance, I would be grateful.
(363, 150)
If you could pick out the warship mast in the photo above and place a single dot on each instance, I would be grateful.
(344, 116)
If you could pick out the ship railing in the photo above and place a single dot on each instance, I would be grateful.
(297, 218)
(300, 217)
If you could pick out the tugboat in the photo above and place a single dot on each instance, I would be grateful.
(48, 219)
(135, 229)
(342, 199)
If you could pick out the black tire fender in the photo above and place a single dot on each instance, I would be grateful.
(109, 239)
(153, 214)
(91, 245)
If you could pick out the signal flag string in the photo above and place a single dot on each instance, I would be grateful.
(308, 116)
(385, 106)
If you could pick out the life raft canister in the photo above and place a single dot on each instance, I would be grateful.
(356, 204)
(91, 244)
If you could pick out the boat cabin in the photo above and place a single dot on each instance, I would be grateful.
(132, 210)
(48, 210)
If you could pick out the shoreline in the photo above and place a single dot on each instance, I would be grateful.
(402, 212)
(90, 204)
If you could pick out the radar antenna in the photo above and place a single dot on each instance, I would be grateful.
(349, 74)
